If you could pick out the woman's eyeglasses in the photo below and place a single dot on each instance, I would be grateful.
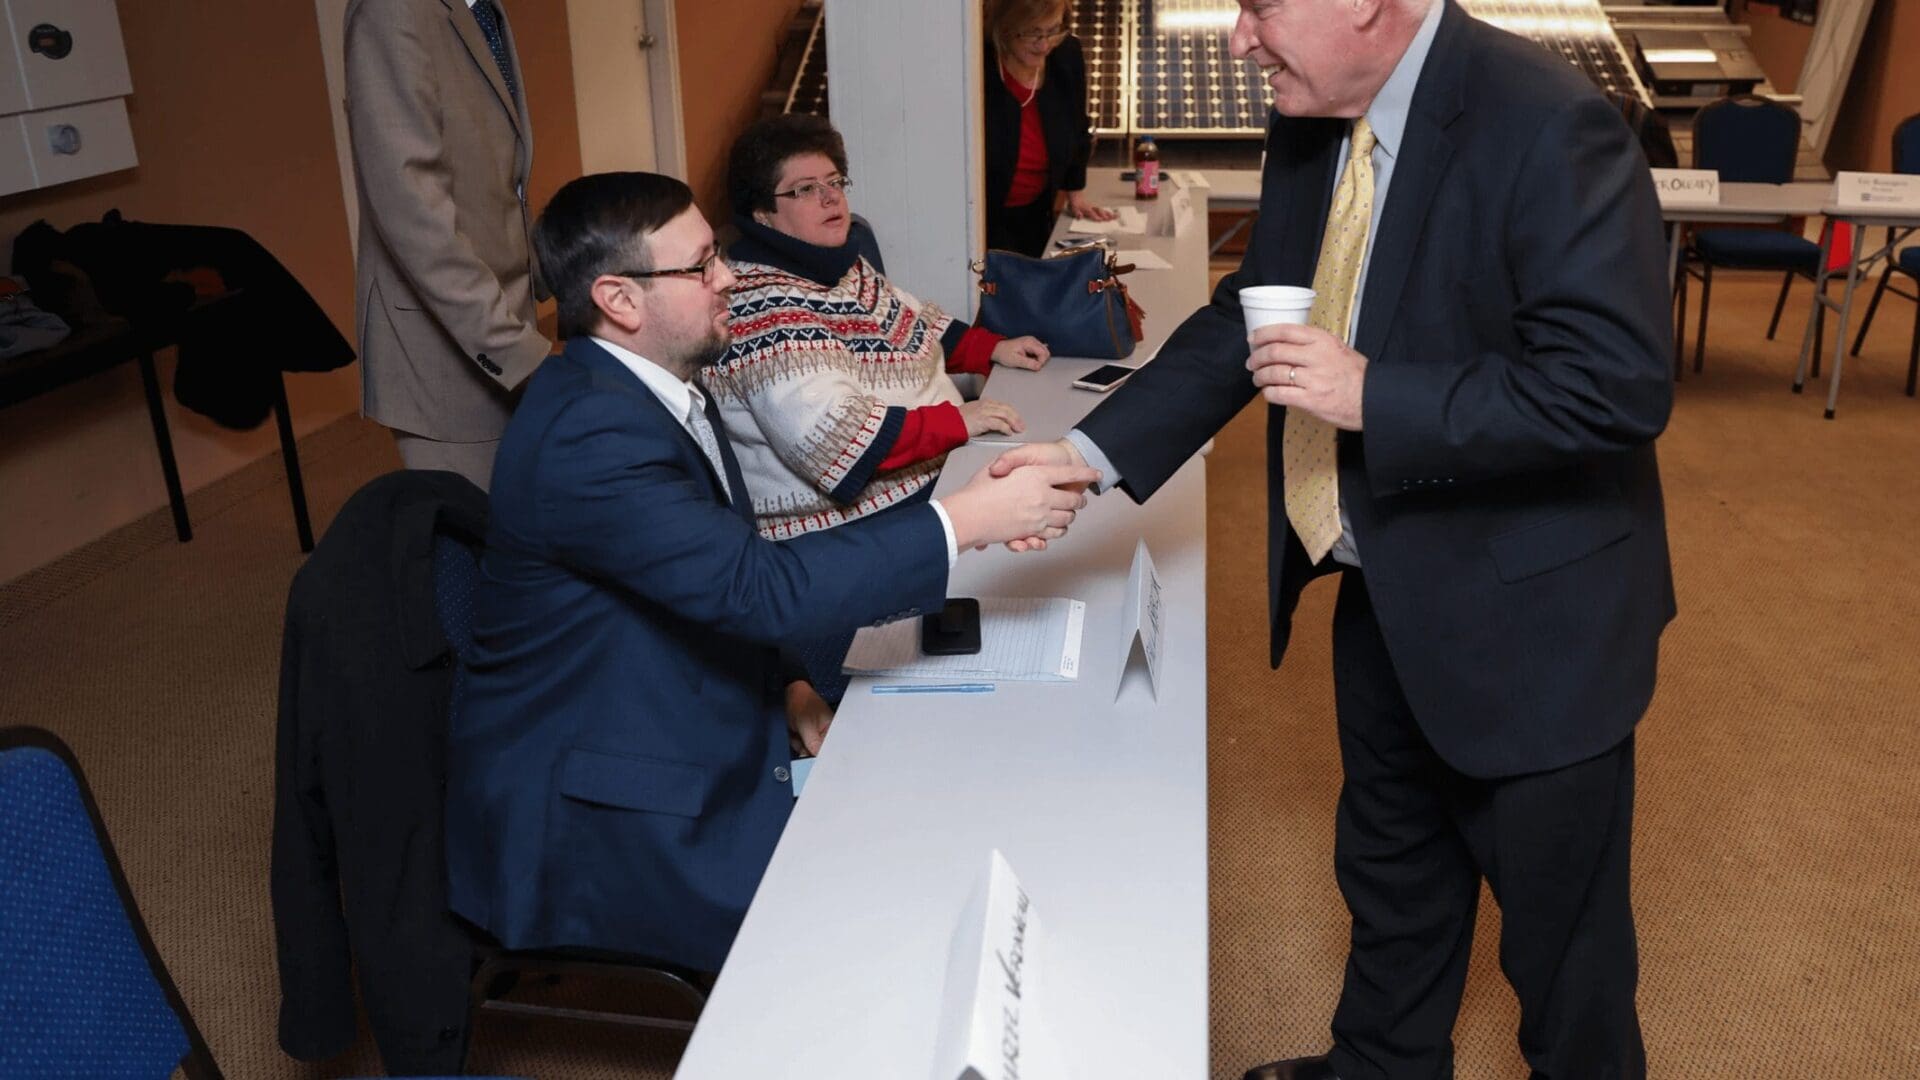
(1041, 37)
(704, 269)
(813, 189)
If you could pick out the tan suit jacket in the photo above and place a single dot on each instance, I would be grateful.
(446, 282)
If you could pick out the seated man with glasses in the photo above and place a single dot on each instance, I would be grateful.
(836, 389)
(618, 763)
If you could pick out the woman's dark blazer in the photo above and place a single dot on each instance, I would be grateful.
(1063, 120)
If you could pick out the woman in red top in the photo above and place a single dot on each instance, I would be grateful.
(1037, 125)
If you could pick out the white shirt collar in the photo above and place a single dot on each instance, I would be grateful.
(679, 395)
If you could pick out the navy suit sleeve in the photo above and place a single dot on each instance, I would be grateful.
(1199, 381)
(619, 499)
(1585, 369)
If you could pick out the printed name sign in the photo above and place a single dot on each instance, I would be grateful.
(1182, 204)
(1687, 187)
(1143, 614)
(1890, 192)
(987, 1016)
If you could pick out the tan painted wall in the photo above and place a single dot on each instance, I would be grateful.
(727, 54)
(1884, 89)
(232, 126)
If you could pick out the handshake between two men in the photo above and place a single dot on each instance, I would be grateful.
(1028, 495)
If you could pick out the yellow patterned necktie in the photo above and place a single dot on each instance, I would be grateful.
(1307, 452)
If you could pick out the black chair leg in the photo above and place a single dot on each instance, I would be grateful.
(1913, 350)
(1680, 325)
(1706, 297)
(1780, 305)
(290, 454)
(1873, 305)
(163, 440)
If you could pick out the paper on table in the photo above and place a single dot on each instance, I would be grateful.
(1142, 259)
(1131, 220)
(1021, 640)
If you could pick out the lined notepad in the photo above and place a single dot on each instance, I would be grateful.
(1021, 640)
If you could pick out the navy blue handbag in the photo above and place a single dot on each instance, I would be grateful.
(1074, 302)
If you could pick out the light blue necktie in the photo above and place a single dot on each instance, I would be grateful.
(709, 443)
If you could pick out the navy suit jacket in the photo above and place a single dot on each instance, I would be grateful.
(1504, 495)
(617, 775)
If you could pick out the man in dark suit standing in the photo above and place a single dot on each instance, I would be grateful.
(619, 764)
(442, 144)
(1464, 431)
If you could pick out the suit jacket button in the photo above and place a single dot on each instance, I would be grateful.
(781, 774)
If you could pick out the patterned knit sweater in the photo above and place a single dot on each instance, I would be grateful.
(830, 364)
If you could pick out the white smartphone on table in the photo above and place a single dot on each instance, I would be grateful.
(1104, 378)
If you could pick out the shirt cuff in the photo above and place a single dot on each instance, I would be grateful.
(946, 526)
(1109, 476)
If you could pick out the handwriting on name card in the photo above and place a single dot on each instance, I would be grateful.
(987, 1027)
(1143, 616)
(1687, 187)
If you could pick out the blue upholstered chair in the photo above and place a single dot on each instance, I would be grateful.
(1906, 159)
(1747, 140)
(83, 992)
(456, 570)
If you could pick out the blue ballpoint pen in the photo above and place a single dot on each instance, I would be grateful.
(934, 688)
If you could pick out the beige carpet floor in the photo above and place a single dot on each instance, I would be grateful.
(1777, 854)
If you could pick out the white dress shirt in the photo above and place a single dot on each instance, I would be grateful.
(682, 396)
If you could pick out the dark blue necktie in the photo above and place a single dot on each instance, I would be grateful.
(488, 17)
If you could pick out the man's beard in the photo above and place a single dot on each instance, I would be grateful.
(706, 352)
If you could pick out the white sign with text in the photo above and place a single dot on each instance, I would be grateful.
(1687, 187)
(987, 1017)
(1142, 615)
(1180, 203)
(1884, 192)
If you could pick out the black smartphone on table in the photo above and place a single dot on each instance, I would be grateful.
(1104, 378)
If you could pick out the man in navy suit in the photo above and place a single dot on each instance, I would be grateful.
(619, 763)
(1465, 433)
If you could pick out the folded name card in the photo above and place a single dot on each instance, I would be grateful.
(1687, 187)
(987, 1013)
(1889, 192)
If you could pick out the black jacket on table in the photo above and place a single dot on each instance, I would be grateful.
(1504, 496)
(360, 773)
(1062, 101)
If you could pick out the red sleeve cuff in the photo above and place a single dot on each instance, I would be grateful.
(929, 431)
(974, 354)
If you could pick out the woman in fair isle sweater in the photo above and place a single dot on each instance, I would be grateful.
(835, 391)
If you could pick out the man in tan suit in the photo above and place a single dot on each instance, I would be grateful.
(446, 288)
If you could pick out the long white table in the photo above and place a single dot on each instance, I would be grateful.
(1094, 790)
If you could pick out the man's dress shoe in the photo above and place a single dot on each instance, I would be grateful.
(1304, 1068)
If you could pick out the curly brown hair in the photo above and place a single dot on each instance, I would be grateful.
(753, 168)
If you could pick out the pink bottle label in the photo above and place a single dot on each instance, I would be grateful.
(1146, 180)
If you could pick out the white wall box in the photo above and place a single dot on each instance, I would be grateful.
(63, 81)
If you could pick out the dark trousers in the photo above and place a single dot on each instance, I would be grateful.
(1413, 838)
(1022, 228)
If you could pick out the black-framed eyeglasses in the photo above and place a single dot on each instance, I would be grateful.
(704, 269)
(1041, 36)
(817, 189)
